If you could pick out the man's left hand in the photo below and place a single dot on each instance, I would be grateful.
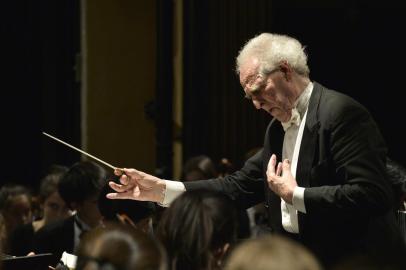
(280, 179)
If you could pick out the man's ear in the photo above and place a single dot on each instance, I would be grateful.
(286, 69)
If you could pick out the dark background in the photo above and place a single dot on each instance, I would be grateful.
(40, 42)
(355, 47)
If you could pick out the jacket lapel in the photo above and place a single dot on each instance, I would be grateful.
(272, 145)
(273, 140)
(309, 139)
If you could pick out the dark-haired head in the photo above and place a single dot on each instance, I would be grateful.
(80, 188)
(49, 184)
(9, 192)
(15, 209)
(52, 205)
(15, 206)
(199, 168)
(82, 181)
(197, 229)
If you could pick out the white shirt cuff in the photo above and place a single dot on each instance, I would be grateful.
(172, 191)
(298, 199)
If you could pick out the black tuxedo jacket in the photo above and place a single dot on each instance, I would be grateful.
(55, 238)
(341, 165)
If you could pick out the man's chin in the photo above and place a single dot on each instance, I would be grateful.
(271, 111)
(274, 113)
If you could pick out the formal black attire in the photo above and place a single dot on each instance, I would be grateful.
(21, 240)
(341, 165)
(56, 238)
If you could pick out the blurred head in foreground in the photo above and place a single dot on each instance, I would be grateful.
(119, 247)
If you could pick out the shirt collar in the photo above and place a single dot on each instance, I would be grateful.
(302, 101)
(81, 224)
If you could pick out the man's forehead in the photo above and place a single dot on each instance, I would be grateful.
(248, 70)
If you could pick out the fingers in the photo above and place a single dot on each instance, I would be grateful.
(285, 166)
(132, 172)
(279, 169)
(120, 196)
(127, 175)
(129, 172)
(280, 178)
(133, 194)
(124, 179)
(118, 171)
(120, 188)
(282, 166)
(271, 166)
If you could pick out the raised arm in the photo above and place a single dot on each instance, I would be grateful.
(137, 185)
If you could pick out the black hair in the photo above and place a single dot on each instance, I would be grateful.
(49, 184)
(9, 191)
(82, 181)
(196, 225)
(202, 164)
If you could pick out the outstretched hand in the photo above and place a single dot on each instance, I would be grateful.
(281, 181)
(137, 185)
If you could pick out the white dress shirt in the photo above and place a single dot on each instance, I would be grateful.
(290, 150)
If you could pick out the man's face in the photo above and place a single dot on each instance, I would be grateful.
(89, 212)
(269, 92)
(18, 213)
(55, 208)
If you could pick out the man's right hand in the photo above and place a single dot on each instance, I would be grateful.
(137, 185)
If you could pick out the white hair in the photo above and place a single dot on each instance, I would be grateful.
(271, 50)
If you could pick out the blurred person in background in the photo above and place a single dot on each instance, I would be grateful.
(52, 207)
(202, 167)
(79, 187)
(198, 168)
(15, 210)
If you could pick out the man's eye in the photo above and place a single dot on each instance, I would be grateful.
(256, 91)
(53, 206)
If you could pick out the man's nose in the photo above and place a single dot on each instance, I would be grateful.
(257, 104)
